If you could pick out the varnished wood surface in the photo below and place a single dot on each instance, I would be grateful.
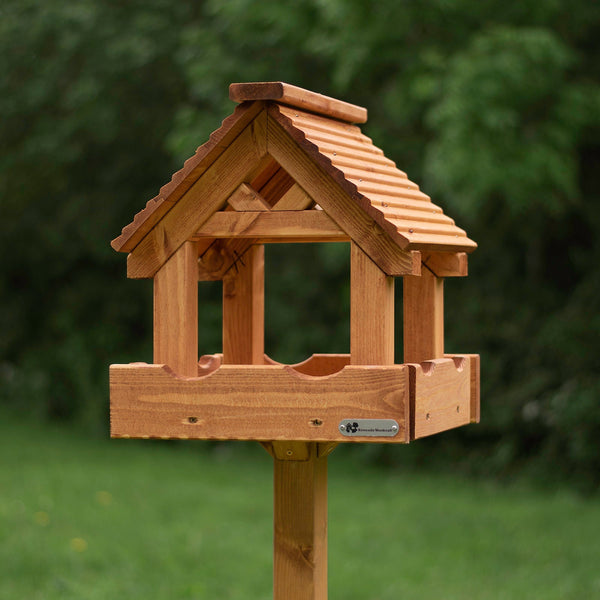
(284, 224)
(255, 402)
(299, 97)
(474, 360)
(446, 264)
(300, 526)
(423, 307)
(294, 199)
(318, 365)
(326, 188)
(205, 197)
(182, 180)
(176, 312)
(440, 395)
(244, 310)
(371, 311)
(245, 197)
(353, 156)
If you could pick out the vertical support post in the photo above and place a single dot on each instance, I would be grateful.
(300, 522)
(423, 317)
(176, 312)
(371, 312)
(244, 309)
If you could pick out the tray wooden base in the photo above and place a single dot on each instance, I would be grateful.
(279, 402)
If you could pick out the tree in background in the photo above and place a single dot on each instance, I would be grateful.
(494, 108)
(87, 97)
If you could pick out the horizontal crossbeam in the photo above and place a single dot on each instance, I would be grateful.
(304, 225)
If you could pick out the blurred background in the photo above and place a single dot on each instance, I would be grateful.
(493, 108)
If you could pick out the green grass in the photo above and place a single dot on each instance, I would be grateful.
(91, 519)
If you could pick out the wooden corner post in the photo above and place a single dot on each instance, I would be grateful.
(371, 312)
(176, 312)
(423, 317)
(244, 309)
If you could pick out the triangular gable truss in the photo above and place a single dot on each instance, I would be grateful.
(182, 180)
(268, 158)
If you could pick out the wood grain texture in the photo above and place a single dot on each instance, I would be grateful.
(248, 402)
(300, 527)
(294, 199)
(247, 198)
(176, 312)
(446, 264)
(205, 197)
(295, 224)
(220, 257)
(352, 158)
(308, 168)
(440, 395)
(423, 306)
(295, 96)
(277, 186)
(371, 311)
(244, 309)
(474, 359)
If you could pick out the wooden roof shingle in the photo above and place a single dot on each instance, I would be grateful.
(323, 128)
(384, 191)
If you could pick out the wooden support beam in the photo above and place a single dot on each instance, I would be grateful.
(300, 523)
(176, 312)
(296, 224)
(423, 317)
(245, 197)
(277, 186)
(371, 312)
(446, 264)
(263, 176)
(294, 199)
(244, 309)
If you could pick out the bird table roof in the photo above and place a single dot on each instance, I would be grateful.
(295, 131)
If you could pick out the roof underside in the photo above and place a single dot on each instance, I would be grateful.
(369, 179)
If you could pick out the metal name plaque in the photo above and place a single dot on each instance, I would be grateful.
(369, 427)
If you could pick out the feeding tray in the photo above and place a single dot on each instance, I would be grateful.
(301, 402)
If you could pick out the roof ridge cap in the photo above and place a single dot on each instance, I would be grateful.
(298, 97)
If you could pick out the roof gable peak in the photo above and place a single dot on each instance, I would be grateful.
(286, 149)
(285, 93)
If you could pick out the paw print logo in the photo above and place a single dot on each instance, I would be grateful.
(351, 427)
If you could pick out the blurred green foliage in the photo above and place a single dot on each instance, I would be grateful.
(494, 108)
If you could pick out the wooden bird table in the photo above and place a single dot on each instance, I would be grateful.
(291, 166)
